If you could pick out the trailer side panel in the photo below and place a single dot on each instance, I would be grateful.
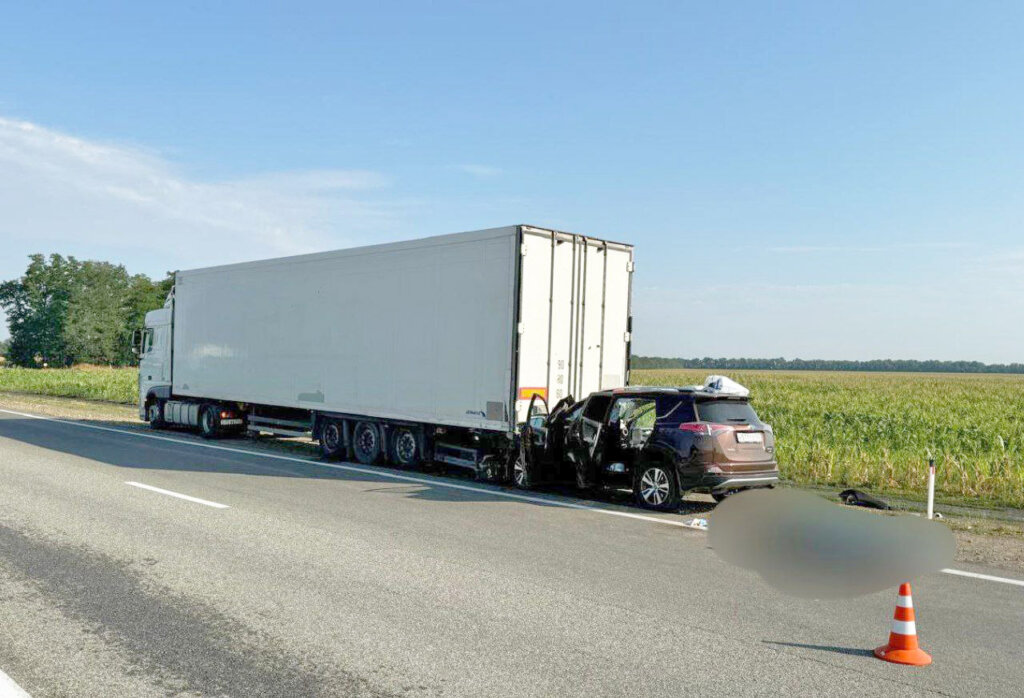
(420, 331)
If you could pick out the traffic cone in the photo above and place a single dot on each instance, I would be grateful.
(902, 647)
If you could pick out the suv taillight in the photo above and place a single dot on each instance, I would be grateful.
(706, 428)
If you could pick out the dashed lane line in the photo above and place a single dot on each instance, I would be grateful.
(179, 495)
(9, 689)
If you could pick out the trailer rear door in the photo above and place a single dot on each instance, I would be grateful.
(574, 315)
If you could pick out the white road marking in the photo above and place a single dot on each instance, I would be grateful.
(986, 577)
(197, 500)
(9, 689)
(436, 483)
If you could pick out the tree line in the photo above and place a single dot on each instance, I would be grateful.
(64, 311)
(782, 364)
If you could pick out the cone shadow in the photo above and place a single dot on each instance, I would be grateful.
(855, 651)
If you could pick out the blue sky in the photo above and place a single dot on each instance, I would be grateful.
(800, 179)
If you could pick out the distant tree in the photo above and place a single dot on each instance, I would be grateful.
(98, 310)
(144, 295)
(64, 311)
(36, 306)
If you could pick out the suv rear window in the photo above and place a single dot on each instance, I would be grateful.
(726, 412)
(673, 410)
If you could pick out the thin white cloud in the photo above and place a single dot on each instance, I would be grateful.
(481, 171)
(845, 249)
(125, 204)
(67, 194)
(319, 180)
(1006, 260)
(1000, 274)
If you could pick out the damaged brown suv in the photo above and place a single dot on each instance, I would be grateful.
(659, 442)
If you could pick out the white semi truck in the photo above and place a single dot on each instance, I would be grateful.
(429, 349)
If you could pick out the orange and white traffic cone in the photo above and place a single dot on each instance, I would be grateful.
(903, 647)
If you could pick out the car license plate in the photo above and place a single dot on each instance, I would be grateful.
(750, 437)
(230, 422)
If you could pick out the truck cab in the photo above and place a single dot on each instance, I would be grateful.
(154, 347)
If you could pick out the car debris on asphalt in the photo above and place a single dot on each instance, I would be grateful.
(863, 499)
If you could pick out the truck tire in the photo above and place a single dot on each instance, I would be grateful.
(209, 422)
(366, 443)
(155, 414)
(655, 487)
(405, 448)
(332, 440)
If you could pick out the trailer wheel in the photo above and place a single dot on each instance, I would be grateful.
(332, 441)
(405, 448)
(209, 423)
(366, 443)
(155, 414)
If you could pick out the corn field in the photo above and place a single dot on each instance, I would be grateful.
(87, 382)
(876, 430)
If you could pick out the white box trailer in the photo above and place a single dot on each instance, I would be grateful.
(452, 333)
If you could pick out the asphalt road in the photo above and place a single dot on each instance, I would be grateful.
(333, 581)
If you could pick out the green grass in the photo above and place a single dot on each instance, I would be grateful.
(88, 382)
(876, 430)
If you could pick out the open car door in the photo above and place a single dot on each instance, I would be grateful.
(533, 444)
(586, 441)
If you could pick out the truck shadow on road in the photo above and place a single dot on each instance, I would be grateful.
(125, 446)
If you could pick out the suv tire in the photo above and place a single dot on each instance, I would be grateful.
(655, 487)
(521, 475)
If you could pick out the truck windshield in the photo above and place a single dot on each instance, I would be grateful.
(726, 412)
